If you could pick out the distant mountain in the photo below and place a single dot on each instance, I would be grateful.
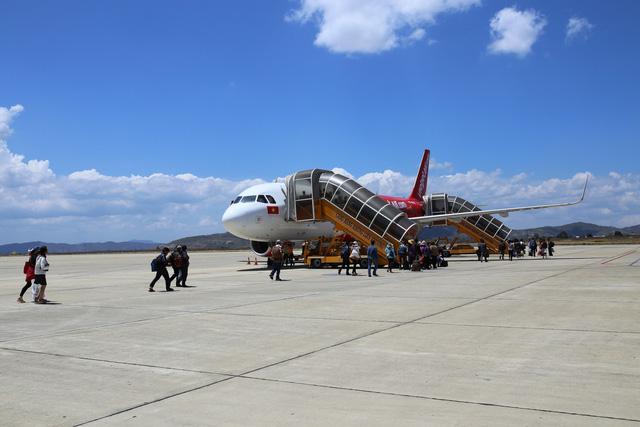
(23, 248)
(229, 241)
(573, 230)
(634, 229)
(212, 241)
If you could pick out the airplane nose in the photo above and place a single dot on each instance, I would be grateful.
(234, 220)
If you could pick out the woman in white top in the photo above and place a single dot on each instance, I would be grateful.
(355, 257)
(42, 266)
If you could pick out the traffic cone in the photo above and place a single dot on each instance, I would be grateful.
(248, 261)
(256, 263)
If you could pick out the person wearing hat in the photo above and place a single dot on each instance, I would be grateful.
(277, 256)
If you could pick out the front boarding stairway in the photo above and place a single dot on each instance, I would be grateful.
(321, 195)
(486, 227)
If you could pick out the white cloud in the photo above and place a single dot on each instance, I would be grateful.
(372, 26)
(89, 206)
(578, 27)
(514, 32)
(613, 199)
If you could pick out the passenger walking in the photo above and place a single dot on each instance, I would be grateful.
(161, 263)
(29, 270)
(534, 247)
(372, 258)
(412, 252)
(511, 250)
(543, 249)
(502, 247)
(402, 254)
(355, 257)
(290, 254)
(41, 268)
(483, 252)
(426, 256)
(550, 245)
(175, 259)
(391, 257)
(345, 252)
(277, 257)
(433, 248)
(517, 247)
(184, 268)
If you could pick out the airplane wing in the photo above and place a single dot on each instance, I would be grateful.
(456, 217)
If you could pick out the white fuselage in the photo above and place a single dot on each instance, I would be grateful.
(259, 213)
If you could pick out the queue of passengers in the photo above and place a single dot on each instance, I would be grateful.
(517, 248)
(411, 255)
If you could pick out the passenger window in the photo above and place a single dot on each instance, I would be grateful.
(271, 199)
(262, 199)
(248, 199)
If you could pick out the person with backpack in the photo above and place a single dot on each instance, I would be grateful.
(29, 270)
(276, 256)
(175, 259)
(402, 254)
(40, 270)
(345, 252)
(391, 257)
(184, 268)
(161, 263)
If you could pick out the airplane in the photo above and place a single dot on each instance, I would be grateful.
(259, 213)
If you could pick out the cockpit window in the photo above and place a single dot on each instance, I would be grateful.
(271, 199)
(262, 199)
(248, 199)
(237, 200)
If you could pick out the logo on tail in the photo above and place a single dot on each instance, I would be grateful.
(420, 187)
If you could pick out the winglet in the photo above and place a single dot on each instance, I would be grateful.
(584, 190)
(420, 187)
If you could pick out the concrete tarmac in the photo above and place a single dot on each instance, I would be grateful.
(530, 342)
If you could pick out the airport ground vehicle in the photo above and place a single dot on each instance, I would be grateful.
(320, 252)
(453, 248)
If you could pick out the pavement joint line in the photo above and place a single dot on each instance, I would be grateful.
(401, 324)
(250, 377)
(529, 328)
(395, 325)
(441, 399)
(160, 399)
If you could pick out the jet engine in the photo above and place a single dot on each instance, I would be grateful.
(261, 248)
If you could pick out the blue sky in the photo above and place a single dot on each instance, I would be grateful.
(141, 120)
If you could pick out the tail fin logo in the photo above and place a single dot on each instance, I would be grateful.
(420, 187)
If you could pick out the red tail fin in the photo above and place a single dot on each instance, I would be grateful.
(420, 187)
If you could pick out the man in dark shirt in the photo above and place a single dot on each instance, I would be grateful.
(372, 258)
